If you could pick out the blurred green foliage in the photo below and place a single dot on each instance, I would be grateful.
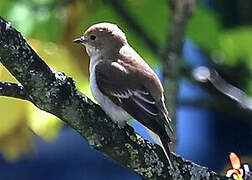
(236, 45)
(204, 28)
(33, 19)
(50, 26)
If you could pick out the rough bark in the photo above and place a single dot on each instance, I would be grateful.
(56, 93)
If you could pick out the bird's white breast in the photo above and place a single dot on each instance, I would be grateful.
(116, 113)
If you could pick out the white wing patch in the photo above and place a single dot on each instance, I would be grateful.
(143, 98)
(137, 93)
(117, 65)
(143, 107)
(129, 93)
(121, 94)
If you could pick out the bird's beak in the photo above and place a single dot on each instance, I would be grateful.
(79, 40)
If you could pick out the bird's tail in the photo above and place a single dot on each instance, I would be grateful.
(163, 140)
(165, 145)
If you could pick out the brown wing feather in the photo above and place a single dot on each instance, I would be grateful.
(127, 92)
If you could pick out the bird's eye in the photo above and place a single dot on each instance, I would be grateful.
(92, 37)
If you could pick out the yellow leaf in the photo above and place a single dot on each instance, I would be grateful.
(43, 124)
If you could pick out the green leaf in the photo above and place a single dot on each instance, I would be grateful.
(235, 46)
(22, 17)
(204, 28)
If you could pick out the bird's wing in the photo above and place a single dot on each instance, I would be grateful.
(128, 92)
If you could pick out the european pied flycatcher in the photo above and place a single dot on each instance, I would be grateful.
(123, 83)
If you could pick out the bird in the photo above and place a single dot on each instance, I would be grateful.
(124, 85)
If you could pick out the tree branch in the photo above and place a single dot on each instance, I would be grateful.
(13, 90)
(181, 11)
(56, 93)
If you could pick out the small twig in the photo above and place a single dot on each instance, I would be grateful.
(204, 74)
(181, 11)
(13, 90)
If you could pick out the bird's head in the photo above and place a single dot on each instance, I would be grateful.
(102, 37)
